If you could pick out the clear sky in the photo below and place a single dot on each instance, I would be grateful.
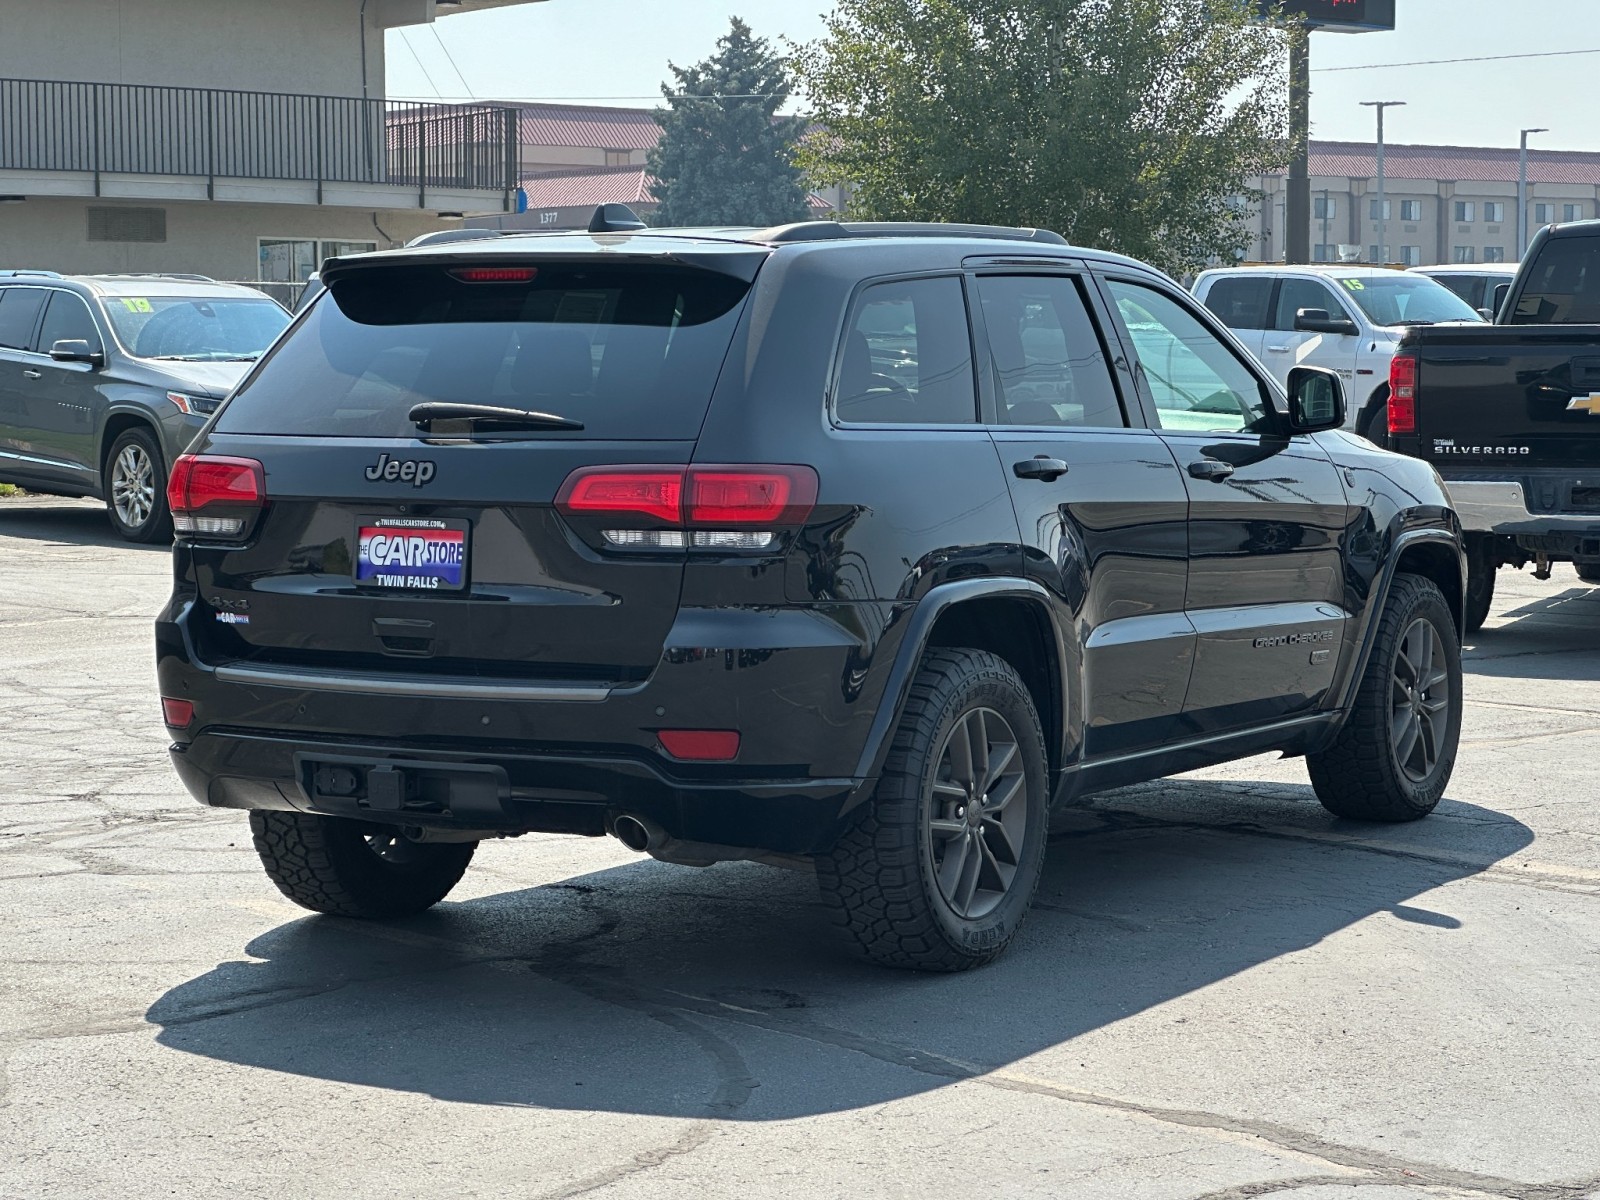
(616, 52)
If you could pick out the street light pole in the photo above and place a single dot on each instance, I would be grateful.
(1383, 217)
(1522, 193)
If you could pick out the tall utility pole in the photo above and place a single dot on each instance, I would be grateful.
(1297, 190)
(1383, 215)
(1522, 193)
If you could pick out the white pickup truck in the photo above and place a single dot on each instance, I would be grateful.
(1345, 318)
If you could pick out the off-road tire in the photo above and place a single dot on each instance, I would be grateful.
(1588, 572)
(1481, 570)
(157, 526)
(326, 864)
(879, 881)
(1359, 776)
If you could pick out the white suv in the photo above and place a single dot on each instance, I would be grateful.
(1345, 318)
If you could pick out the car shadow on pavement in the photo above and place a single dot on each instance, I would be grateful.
(654, 989)
(66, 523)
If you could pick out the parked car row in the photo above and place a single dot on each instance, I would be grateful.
(1508, 412)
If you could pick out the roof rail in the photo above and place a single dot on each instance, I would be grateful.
(822, 231)
(187, 278)
(20, 271)
(440, 237)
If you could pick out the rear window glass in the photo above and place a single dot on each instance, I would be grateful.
(1241, 301)
(1563, 285)
(633, 352)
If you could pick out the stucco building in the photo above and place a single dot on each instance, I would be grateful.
(278, 149)
(1445, 204)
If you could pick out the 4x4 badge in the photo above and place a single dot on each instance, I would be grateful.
(416, 473)
(1589, 404)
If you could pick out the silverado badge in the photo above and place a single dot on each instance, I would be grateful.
(1589, 404)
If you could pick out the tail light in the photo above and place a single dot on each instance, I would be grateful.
(216, 496)
(727, 508)
(1403, 394)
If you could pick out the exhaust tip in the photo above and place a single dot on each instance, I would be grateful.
(631, 832)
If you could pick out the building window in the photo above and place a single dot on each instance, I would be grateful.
(1572, 212)
(1324, 208)
(619, 158)
(1372, 210)
(1494, 254)
(1325, 253)
(1465, 254)
(127, 224)
(1544, 214)
(1466, 211)
(1374, 255)
(1411, 255)
(1411, 210)
(292, 260)
(1494, 212)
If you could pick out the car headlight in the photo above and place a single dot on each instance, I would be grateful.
(194, 406)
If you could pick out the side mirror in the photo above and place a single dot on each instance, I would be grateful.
(1316, 400)
(1318, 320)
(76, 350)
(1501, 291)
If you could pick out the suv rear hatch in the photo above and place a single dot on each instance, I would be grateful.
(385, 545)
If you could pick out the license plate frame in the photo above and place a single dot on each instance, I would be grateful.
(407, 569)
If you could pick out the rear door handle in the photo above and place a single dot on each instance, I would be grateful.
(1277, 349)
(30, 373)
(1210, 468)
(1041, 466)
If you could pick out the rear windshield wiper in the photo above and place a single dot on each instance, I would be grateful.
(487, 416)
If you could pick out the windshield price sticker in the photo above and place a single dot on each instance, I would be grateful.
(1355, 285)
(136, 304)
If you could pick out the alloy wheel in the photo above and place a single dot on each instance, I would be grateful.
(1420, 702)
(979, 813)
(133, 489)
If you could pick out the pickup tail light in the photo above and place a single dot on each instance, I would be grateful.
(1403, 394)
(714, 508)
(214, 496)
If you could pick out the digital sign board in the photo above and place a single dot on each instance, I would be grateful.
(1351, 16)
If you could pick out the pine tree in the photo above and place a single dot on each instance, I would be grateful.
(725, 157)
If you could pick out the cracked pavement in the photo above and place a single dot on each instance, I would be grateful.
(1223, 993)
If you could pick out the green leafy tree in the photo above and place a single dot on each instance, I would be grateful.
(725, 157)
(1130, 125)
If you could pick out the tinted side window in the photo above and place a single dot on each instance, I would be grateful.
(1240, 301)
(1468, 287)
(1563, 285)
(1050, 367)
(1296, 294)
(908, 356)
(1197, 383)
(19, 309)
(67, 319)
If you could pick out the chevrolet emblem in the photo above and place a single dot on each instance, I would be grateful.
(1589, 404)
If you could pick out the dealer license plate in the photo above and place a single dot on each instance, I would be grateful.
(412, 554)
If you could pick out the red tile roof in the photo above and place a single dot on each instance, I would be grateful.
(605, 185)
(586, 127)
(595, 185)
(1478, 164)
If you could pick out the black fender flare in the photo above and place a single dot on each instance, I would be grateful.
(1428, 535)
(914, 644)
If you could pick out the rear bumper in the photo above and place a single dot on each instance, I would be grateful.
(550, 793)
(800, 685)
(1502, 507)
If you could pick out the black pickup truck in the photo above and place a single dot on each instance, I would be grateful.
(1509, 415)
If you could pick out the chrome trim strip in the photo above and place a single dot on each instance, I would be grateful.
(390, 685)
(45, 462)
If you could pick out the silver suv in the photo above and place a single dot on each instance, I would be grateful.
(105, 379)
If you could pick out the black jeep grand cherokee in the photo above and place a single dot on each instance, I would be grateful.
(858, 546)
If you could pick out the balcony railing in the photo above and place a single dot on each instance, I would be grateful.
(48, 125)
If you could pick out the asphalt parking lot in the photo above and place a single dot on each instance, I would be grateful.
(1222, 993)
